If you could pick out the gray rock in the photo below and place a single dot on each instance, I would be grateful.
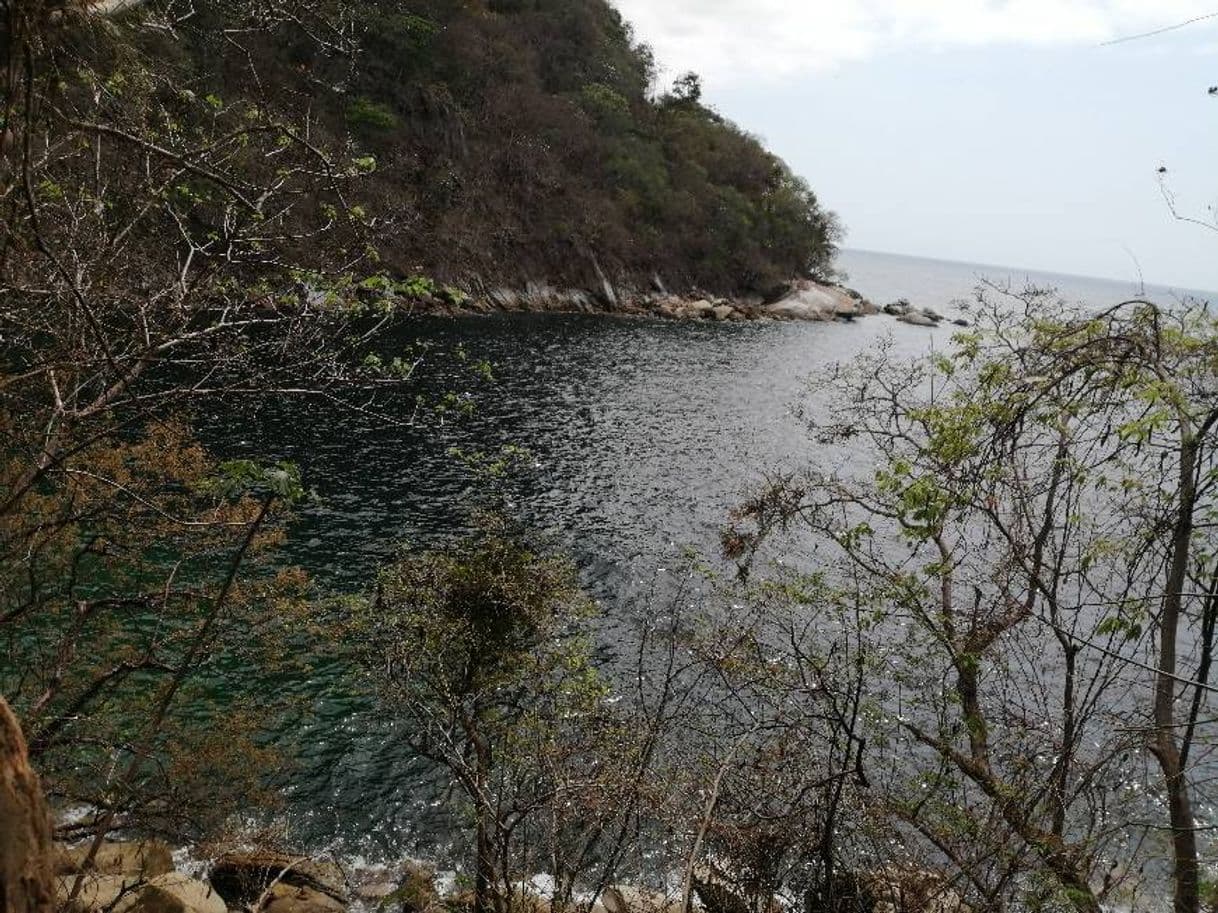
(809, 300)
(918, 320)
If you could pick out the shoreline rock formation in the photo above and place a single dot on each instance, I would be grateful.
(803, 299)
(25, 826)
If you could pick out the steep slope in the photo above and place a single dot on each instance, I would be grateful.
(519, 139)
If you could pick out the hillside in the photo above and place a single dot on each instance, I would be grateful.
(521, 139)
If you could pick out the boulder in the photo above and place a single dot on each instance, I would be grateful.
(170, 892)
(700, 308)
(147, 858)
(932, 314)
(97, 892)
(898, 308)
(723, 312)
(961, 322)
(243, 877)
(630, 899)
(918, 320)
(810, 300)
(290, 898)
(175, 893)
(671, 307)
(25, 826)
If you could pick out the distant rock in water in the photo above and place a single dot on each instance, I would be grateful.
(914, 318)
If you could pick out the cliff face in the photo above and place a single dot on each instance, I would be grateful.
(524, 139)
(25, 828)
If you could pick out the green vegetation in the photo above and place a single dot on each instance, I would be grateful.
(1040, 534)
(522, 140)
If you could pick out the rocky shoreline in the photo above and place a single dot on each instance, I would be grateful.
(803, 300)
(145, 877)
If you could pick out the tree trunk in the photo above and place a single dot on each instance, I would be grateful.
(1164, 746)
(25, 827)
(484, 867)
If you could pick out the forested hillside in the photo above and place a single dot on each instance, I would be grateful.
(523, 139)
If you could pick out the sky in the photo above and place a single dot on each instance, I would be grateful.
(1025, 133)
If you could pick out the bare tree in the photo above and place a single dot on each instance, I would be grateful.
(1040, 516)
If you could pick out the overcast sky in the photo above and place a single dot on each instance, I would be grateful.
(1008, 132)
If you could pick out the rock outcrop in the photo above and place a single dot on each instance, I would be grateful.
(146, 859)
(242, 878)
(808, 300)
(171, 892)
(174, 892)
(25, 827)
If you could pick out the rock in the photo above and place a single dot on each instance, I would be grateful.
(898, 308)
(701, 307)
(289, 898)
(25, 826)
(148, 858)
(961, 322)
(243, 877)
(670, 307)
(504, 299)
(581, 300)
(810, 300)
(629, 899)
(724, 312)
(918, 320)
(606, 288)
(932, 314)
(176, 893)
(97, 892)
(538, 296)
(170, 892)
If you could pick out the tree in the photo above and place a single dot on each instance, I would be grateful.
(1041, 516)
(162, 246)
(478, 649)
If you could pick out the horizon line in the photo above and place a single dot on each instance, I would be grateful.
(1145, 283)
